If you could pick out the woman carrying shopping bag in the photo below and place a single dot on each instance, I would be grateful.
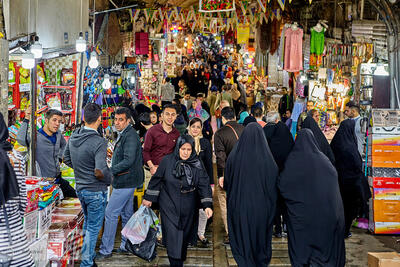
(179, 185)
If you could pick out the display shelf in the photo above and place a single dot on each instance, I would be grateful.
(70, 87)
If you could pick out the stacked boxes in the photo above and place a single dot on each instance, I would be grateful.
(384, 160)
(65, 233)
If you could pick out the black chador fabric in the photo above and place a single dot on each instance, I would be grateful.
(309, 186)
(179, 186)
(8, 180)
(250, 184)
(309, 123)
(353, 184)
(280, 141)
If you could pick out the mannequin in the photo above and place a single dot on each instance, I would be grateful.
(294, 26)
(318, 27)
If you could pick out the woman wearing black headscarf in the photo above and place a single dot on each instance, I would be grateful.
(281, 143)
(309, 123)
(250, 184)
(309, 186)
(353, 184)
(13, 196)
(179, 184)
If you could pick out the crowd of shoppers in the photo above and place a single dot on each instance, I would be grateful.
(268, 183)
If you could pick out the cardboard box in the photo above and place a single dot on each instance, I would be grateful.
(386, 228)
(44, 220)
(383, 259)
(386, 210)
(56, 249)
(385, 117)
(386, 193)
(384, 182)
(382, 153)
(385, 140)
(30, 225)
(386, 130)
(39, 251)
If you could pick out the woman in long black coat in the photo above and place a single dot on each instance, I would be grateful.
(250, 184)
(309, 186)
(353, 184)
(309, 123)
(179, 185)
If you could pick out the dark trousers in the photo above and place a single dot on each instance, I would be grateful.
(175, 262)
(66, 188)
(280, 211)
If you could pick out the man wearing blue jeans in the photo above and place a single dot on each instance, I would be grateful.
(86, 153)
(127, 170)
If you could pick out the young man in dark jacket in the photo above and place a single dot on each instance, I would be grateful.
(127, 169)
(224, 141)
(86, 153)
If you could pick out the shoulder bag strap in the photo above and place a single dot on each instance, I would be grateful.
(237, 137)
(3, 202)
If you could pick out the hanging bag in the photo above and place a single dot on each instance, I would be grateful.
(146, 250)
(5, 259)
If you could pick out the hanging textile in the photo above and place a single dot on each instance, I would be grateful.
(293, 50)
(142, 43)
(243, 34)
(216, 5)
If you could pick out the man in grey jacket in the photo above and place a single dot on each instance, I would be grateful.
(167, 92)
(50, 145)
(86, 153)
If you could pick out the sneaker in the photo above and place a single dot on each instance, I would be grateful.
(348, 235)
(100, 256)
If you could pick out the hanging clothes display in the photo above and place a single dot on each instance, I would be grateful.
(317, 45)
(293, 49)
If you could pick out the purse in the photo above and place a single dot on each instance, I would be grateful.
(5, 260)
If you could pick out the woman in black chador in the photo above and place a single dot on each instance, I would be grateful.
(250, 184)
(309, 123)
(353, 184)
(309, 185)
(179, 185)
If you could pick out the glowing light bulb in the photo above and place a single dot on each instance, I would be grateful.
(28, 60)
(80, 43)
(106, 84)
(37, 50)
(93, 62)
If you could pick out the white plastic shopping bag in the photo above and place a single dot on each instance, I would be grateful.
(138, 225)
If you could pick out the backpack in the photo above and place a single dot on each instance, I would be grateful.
(235, 93)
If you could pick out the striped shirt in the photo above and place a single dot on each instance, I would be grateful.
(15, 207)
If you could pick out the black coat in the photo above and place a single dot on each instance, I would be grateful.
(280, 142)
(250, 184)
(8, 181)
(310, 188)
(179, 209)
(309, 123)
(205, 156)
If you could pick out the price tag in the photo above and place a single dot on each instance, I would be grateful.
(25, 87)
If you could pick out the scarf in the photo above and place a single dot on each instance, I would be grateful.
(197, 146)
(183, 168)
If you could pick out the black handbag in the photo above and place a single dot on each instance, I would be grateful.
(5, 260)
(147, 250)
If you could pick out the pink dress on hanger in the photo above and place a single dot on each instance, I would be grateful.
(293, 50)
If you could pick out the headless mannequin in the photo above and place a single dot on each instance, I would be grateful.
(318, 27)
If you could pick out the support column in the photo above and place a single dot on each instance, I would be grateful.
(4, 78)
